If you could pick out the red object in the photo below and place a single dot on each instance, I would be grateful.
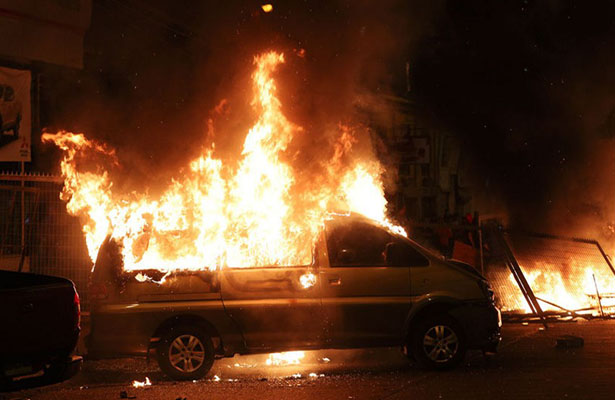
(469, 218)
(77, 303)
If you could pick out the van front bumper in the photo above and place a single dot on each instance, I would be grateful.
(482, 321)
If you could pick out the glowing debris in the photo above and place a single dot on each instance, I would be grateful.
(138, 384)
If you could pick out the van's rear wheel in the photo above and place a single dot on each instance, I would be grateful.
(438, 342)
(185, 353)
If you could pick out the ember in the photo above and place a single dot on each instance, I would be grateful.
(249, 215)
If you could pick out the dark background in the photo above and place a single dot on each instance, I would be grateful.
(527, 86)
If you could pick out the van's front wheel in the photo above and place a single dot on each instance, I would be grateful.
(185, 353)
(438, 342)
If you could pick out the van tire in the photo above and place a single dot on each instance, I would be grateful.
(185, 352)
(438, 342)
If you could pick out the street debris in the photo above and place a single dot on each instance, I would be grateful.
(569, 342)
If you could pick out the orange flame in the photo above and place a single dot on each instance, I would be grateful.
(139, 384)
(216, 215)
(286, 358)
(574, 291)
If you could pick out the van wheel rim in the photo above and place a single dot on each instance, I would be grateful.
(440, 343)
(186, 353)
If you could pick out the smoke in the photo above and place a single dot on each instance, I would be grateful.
(527, 89)
(524, 87)
(163, 80)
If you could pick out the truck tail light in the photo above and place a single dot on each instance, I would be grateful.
(77, 303)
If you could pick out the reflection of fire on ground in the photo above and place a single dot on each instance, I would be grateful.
(286, 358)
(312, 364)
(260, 211)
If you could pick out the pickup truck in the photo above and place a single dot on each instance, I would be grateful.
(40, 325)
(365, 287)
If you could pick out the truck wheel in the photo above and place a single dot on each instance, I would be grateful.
(185, 353)
(438, 342)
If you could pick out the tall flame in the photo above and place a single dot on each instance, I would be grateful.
(214, 215)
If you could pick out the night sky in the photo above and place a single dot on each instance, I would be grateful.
(527, 86)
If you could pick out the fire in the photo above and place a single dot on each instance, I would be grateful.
(214, 215)
(575, 290)
(307, 280)
(138, 384)
(286, 358)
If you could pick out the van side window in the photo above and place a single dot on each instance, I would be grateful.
(403, 254)
(357, 244)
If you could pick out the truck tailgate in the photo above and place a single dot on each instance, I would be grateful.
(44, 319)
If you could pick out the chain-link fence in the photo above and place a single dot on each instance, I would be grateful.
(566, 276)
(37, 234)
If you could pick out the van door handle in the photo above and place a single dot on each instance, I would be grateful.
(336, 281)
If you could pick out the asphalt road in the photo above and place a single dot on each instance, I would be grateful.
(528, 366)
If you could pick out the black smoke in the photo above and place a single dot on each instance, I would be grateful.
(525, 85)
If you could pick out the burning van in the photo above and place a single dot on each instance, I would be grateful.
(366, 286)
(246, 256)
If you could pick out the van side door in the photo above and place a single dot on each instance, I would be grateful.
(274, 307)
(365, 300)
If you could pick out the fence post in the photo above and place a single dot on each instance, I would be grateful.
(23, 212)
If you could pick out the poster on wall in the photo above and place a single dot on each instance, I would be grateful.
(15, 114)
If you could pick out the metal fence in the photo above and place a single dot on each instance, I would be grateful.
(37, 234)
(549, 275)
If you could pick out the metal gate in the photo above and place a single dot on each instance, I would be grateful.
(549, 276)
(37, 234)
